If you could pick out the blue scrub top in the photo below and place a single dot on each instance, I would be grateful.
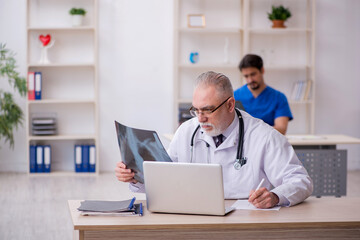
(270, 104)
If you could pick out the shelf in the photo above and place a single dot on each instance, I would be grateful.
(207, 66)
(63, 173)
(61, 101)
(211, 30)
(240, 27)
(286, 67)
(65, 28)
(278, 30)
(62, 137)
(292, 102)
(62, 65)
(69, 83)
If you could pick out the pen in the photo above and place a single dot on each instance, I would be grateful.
(260, 184)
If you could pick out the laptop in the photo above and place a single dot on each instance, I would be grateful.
(187, 188)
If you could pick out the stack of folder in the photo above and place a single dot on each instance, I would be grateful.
(40, 158)
(85, 158)
(111, 208)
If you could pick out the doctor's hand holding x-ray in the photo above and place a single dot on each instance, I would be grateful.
(124, 174)
(249, 151)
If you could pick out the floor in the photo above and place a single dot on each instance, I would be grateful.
(35, 207)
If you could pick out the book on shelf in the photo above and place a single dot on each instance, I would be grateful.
(31, 85)
(38, 85)
(40, 158)
(301, 90)
(32, 156)
(85, 158)
(92, 158)
(47, 158)
(78, 158)
(307, 94)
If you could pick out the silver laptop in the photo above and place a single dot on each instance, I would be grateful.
(189, 188)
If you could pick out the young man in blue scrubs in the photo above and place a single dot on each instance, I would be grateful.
(260, 100)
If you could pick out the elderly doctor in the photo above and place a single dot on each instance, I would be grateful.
(213, 136)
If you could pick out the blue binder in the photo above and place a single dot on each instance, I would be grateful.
(39, 158)
(92, 158)
(85, 158)
(38, 85)
(47, 158)
(32, 158)
(78, 158)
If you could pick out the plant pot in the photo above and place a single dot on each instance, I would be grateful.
(278, 24)
(77, 20)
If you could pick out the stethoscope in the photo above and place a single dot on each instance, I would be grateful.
(240, 160)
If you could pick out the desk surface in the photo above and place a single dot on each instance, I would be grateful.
(314, 212)
(325, 139)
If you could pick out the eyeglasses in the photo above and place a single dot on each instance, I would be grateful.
(205, 111)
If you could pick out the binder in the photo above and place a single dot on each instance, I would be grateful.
(107, 206)
(78, 158)
(47, 158)
(39, 159)
(31, 85)
(92, 158)
(85, 158)
(38, 85)
(137, 210)
(32, 156)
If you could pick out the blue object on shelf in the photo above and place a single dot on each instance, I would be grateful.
(194, 57)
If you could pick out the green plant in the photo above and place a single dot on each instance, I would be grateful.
(77, 11)
(11, 115)
(279, 13)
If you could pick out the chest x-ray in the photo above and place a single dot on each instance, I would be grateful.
(137, 146)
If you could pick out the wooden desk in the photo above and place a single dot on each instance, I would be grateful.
(325, 218)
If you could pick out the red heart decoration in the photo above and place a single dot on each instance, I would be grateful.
(45, 39)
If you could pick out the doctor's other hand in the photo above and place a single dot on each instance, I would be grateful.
(124, 174)
(263, 198)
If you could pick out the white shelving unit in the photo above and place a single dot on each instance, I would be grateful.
(288, 54)
(209, 42)
(69, 81)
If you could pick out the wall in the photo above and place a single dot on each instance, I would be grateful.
(135, 71)
(337, 72)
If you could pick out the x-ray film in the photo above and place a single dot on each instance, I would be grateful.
(137, 146)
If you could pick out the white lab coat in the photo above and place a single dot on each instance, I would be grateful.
(269, 156)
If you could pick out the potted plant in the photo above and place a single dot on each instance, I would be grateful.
(11, 115)
(77, 16)
(279, 15)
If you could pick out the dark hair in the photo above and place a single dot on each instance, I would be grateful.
(251, 60)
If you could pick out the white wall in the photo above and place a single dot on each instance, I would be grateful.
(338, 72)
(135, 71)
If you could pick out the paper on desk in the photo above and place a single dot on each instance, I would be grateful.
(245, 205)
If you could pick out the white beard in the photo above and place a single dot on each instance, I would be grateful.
(214, 132)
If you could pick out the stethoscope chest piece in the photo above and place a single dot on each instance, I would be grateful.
(239, 163)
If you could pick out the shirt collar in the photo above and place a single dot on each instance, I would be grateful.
(230, 128)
